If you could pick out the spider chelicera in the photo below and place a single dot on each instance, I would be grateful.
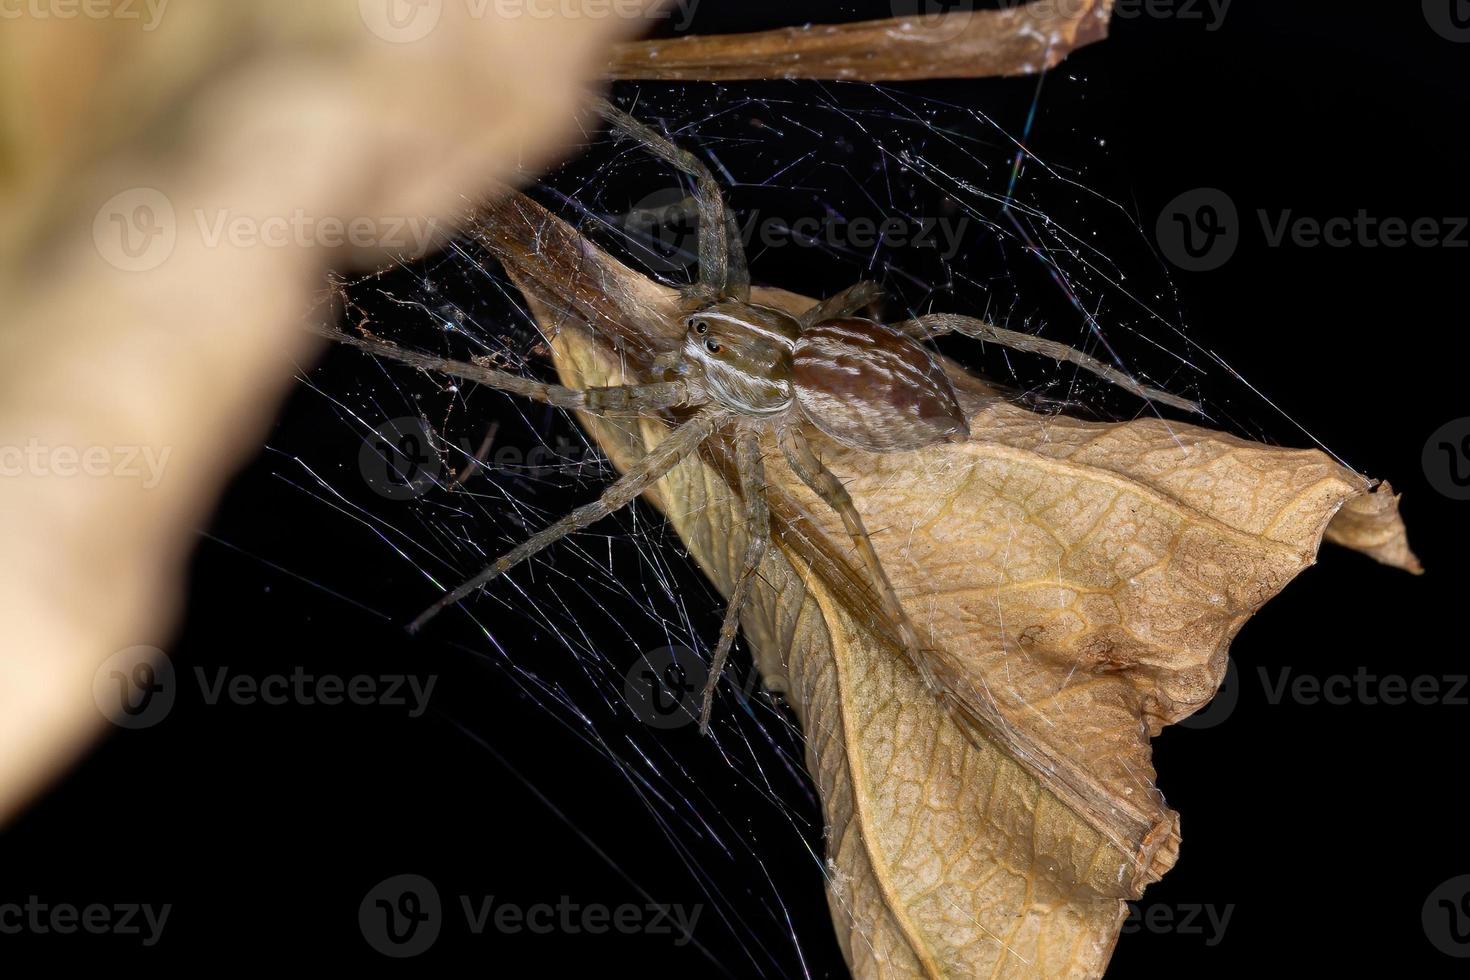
(749, 369)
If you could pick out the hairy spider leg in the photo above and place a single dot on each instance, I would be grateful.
(752, 472)
(824, 483)
(723, 273)
(681, 443)
(613, 400)
(852, 300)
(939, 324)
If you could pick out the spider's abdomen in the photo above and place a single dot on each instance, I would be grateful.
(870, 387)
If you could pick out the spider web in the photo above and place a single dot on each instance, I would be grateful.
(1000, 199)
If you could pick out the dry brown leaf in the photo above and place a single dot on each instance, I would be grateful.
(1088, 576)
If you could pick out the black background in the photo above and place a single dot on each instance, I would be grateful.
(1325, 826)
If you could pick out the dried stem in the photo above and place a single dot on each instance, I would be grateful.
(1014, 40)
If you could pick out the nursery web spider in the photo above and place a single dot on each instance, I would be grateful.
(750, 369)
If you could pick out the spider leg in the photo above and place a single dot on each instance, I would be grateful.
(939, 324)
(617, 400)
(723, 273)
(758, 524)
(824, 483)
(681, 443)
(853, 299)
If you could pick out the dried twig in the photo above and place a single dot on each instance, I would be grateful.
(1014, 40)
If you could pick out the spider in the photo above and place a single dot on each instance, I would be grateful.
(746, 369)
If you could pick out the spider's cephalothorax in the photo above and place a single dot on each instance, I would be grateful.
(753, 370)
(864, 384)
(742, 355)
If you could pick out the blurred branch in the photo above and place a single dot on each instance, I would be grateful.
(1014, 40)
(175, 182)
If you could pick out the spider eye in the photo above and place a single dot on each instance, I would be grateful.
(699, 326)
(712, 347)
